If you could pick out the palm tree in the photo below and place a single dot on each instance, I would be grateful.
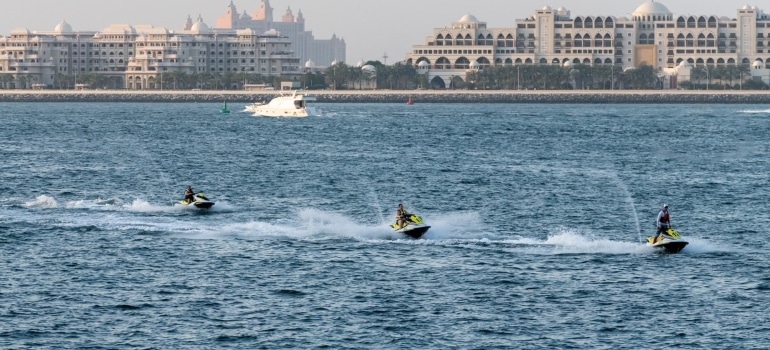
(5, 79)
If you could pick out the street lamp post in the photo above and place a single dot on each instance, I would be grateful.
(612, 77)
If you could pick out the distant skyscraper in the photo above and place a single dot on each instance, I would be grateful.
(322, 52)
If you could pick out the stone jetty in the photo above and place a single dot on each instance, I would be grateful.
(399, 96)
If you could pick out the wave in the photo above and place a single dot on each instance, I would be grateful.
(136, 205)
(318, 224)
(463, 229)
(42, 201)
(756, 111)
(568, 241)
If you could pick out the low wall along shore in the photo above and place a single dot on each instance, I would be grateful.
(393, 96)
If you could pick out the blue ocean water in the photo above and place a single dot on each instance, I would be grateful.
(537, 212)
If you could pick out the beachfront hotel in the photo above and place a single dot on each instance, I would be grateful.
(135, 57)
(654, 36)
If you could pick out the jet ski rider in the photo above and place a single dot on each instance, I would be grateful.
(402, 216)
(189, 195)
(663, 222)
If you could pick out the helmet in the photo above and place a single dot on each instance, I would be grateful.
(665, 205)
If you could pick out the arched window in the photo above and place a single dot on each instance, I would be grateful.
(443, 63)
(579, 22)
(680, 22)
(691, 22)
(579, 40)
(688, 42)
(462, 63)
(599, 23)
(589, 22)
(680, 40)
(712, 22)
(598, 40)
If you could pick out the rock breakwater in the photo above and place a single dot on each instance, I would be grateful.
(420, 96)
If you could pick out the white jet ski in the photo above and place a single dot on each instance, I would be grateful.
(669, 242)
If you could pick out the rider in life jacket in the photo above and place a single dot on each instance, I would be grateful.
(402, 216)
(189, 195)
(663, 222)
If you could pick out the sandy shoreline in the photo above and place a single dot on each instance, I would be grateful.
(399, 96)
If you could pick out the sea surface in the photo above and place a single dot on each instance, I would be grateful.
(538, 215)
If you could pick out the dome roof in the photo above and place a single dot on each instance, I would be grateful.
(369, 68)
(272, 32)
(200, 28)
(21, 31)
(469, 18)
(568, 64)
(475, 64)
(119, 29)
(63, 28)
(246, 32)
(547, 8)
(309, 64)
(651, 8)
(757, 64)
(423, 64)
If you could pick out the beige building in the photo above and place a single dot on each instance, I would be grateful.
(138, 57)
(652, 35)
(321, 51)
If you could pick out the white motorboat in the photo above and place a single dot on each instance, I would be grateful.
(294, 105)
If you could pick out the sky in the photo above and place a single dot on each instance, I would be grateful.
(371, 29)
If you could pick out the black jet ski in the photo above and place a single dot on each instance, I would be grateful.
(201, 201)
(668, 242)
(414, 227)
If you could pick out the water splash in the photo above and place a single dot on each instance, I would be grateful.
(42, 201)
(630, 201)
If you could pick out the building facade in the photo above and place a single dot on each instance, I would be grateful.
(652, 35)
(323, 52)
(138, 57)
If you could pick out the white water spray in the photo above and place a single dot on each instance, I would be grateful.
(630, 201)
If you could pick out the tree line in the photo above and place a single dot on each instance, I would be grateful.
(400, 76)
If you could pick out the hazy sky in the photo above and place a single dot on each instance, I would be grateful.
(370, 28)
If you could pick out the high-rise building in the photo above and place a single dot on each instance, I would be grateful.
(323, 52)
